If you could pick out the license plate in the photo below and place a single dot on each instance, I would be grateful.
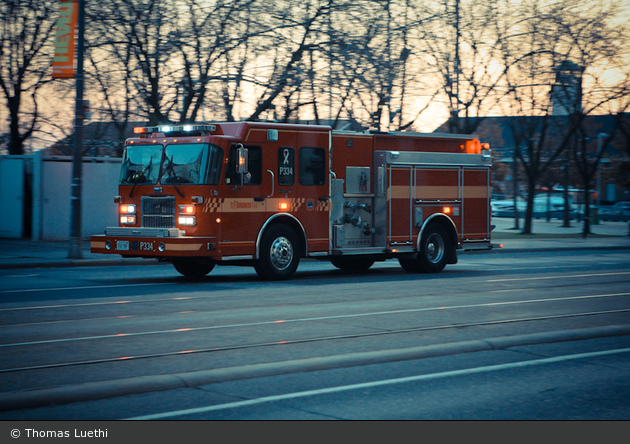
(122, 245)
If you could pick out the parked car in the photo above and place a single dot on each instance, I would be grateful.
(505, 207)
(554, 205)
(620, 211)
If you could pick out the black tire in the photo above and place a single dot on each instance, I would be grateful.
(434, 249)
(352, 263)
(410, 265)
(194, 267)
(279, 254)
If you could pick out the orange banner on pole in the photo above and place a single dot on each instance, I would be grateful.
(63, 60)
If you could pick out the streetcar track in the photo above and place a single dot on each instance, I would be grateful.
(128, 285)
(171, 299)
(540, 278)
(185, 298)
(91, 304)
(310, 319)
(310, 340)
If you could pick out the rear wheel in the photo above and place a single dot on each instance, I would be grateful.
(194, 267)
(434, 246)
(410, 265)
(279, 253)
(434, 252)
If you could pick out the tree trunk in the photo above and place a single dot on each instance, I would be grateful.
(529, 211)
(587, 208)
(16, 142)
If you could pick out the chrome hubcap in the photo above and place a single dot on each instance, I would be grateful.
(281, 253)
(435, 248)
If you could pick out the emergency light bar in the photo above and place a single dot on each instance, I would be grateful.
(171, 128)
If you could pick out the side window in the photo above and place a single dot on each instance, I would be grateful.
(312, 166)
(254, 161)
(286, 166)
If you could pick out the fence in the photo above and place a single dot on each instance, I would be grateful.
(35, 196)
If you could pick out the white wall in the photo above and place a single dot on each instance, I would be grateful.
(52, 177)
(12, 196)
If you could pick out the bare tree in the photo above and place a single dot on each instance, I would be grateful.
(147, 28)
(212, 37)
(463, 49)
(546, 66)
(374, 63)
(528, 79)
(293, 37)
(27, 29)
(598, 46)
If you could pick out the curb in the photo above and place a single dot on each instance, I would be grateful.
(543, 249)
(145, 384)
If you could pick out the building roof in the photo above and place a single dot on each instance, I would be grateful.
(497, 130)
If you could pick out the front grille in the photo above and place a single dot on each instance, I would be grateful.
(158, 212)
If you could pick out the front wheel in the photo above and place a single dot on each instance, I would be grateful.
(194, 267)
(279, 254)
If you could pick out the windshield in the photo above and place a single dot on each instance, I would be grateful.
(141, 164)
(186, 163)
(183, 163)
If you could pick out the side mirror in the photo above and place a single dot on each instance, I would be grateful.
(241, 154)
(242, 164)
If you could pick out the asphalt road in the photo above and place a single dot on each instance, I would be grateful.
(497, 336)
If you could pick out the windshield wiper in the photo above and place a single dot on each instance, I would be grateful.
(173, 174)
(140, 177)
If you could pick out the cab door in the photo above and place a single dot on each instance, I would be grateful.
(244, 207)
(313, 200)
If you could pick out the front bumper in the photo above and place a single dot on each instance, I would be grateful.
(153, 242)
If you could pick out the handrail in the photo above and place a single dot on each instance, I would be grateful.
(273, 183)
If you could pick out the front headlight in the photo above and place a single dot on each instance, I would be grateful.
(127, 209)
(187, 220)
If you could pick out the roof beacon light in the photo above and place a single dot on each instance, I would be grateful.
(176, 128)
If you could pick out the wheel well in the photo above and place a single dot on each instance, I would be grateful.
(289, 221)
(447, 223)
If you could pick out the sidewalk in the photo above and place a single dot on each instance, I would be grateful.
(22, 253)
(553, 236)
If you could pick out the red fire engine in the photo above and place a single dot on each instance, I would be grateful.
(267, 195)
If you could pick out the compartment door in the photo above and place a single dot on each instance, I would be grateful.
(400, 198)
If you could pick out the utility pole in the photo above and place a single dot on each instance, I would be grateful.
(454, 126)
(75, 250)
(330, 65)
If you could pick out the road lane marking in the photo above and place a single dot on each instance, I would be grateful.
(21, 275)
(386, 382)
(85, 287)
(557, 277)
(319, 318)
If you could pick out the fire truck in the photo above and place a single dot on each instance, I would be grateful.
(269, 195)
